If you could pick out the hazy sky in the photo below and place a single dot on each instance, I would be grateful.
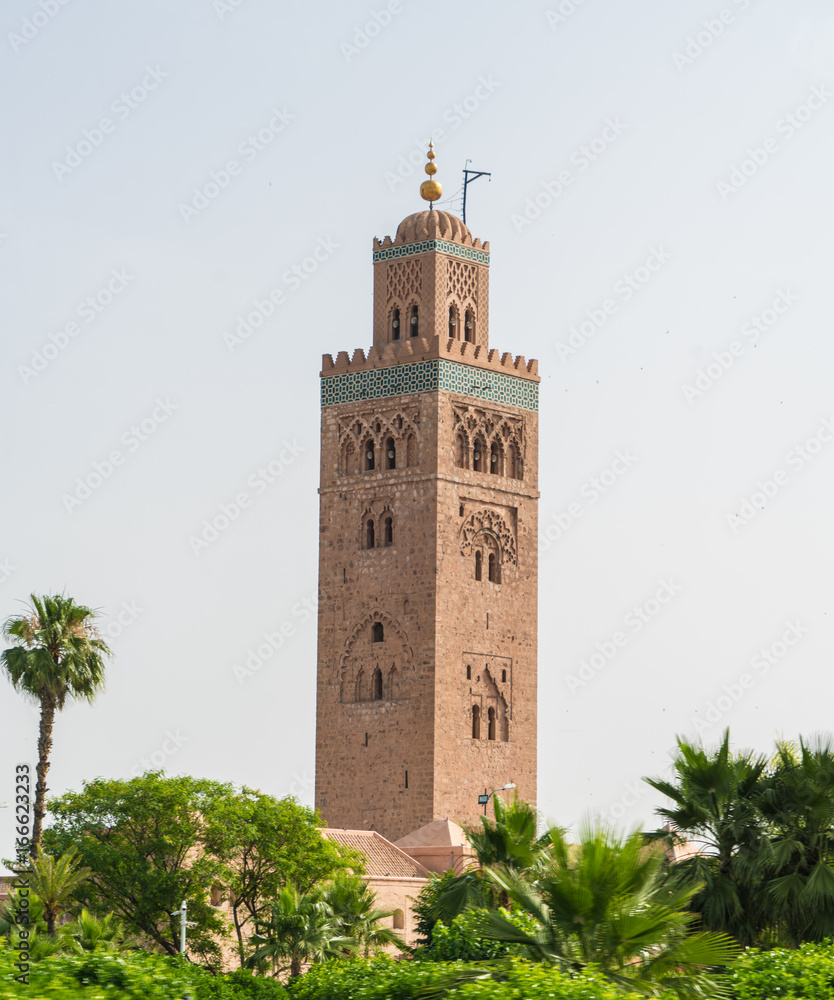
(659, 217)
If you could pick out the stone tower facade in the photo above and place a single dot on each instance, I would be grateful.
(428, 548)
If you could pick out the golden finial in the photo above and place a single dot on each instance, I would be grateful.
(431, 189)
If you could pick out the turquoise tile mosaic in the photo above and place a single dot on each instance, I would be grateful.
(453, 249)
(423, 376)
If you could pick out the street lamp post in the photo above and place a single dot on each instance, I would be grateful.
(484, 799)
(182, 913)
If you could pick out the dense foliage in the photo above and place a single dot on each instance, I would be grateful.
(765, 833)
(153, 841)
(806, 973)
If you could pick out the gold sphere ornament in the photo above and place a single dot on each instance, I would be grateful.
(431, 189)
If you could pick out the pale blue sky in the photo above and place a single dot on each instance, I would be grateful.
(519, 92)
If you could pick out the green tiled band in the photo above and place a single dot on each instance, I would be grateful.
(453, 249)
(423, 376)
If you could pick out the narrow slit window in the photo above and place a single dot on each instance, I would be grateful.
(369, 456)
(476, 722)
(388, 537)
(478, 564)
(415, 324)
(469, 327)
(469, 673)
(492, 571)
(376, 686)
(491, 724)
(370, 540)
(395, 325)
(390, 454)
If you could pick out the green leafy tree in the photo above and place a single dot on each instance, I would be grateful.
(264, 844)
(301, 928)
(59, 657)
(715, 797)
(445, 897)
(352, 903)
(142, 841)
(605, 903)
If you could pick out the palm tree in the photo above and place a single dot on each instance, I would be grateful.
(53, 881)
(91, 933)
(352, 903)
(715, 801)
(301, 929)
(606, 903)
(798, 806)
(60, 656)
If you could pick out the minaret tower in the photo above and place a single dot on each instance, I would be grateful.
(428, 546)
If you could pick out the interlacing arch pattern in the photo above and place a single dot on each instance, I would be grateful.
(379, 434)
(460, 298)
(488, 441)
(489, 522)
(377, 642)
(405, 280)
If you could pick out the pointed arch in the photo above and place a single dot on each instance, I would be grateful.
(492, 523)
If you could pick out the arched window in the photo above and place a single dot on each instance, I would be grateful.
(478, 564)
(395, 325)
(415, 325)
(454, 331)
(491, 724)
(376, 685)
(399, 920)
(478, 456)
(390, 454)
(216, 895)
(377, 632)
(411, 451)
(460, 451)
(369, 455)
(360, 678)
(469, 673)
(492, 571)
(476, 722)
(370, 540)
(495, 459)
(393, 686)
(388, 533)
(469, 327)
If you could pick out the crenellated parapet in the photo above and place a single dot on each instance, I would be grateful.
(399, 352)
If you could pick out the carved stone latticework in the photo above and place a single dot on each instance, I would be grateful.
(462, 281)
(405, 281)
(493, 523)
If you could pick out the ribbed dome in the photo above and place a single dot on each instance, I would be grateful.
(432, 226)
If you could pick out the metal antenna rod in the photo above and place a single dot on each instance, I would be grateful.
(468, 180)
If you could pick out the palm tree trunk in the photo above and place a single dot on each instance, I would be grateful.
(44, 748)
(295, 966)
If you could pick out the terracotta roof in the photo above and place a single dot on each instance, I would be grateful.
(433, 226)
(384, 860)
(438, 833)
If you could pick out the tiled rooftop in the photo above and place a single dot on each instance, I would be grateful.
(384, 860)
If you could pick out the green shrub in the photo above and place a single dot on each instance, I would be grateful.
(134, 975)
(461, 941)
(384, 979)
(781, 974)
